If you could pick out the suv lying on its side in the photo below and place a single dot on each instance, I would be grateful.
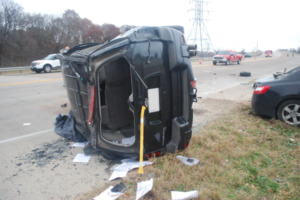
(47, 64)
(107, 85)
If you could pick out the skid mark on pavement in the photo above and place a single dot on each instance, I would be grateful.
(7, 84)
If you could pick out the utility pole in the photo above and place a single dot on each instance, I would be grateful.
(199, 33)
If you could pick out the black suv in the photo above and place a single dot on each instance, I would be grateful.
(108, 83)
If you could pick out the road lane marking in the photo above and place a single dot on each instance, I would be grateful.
(199, 65)
(24, 136)
(7, 84)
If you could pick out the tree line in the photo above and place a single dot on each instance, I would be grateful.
(25, 37)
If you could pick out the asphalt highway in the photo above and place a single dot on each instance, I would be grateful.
(29, 104)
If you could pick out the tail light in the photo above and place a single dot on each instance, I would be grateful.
(92, 101)
(194, 83)
(182, 39)
(149, 155)
(185, 145)
(261, 89)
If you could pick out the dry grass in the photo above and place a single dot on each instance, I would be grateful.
(242, 157)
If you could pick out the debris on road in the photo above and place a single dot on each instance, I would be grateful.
(108, 194)
(118, 174)
(245, 74)
(64, 105)
(80, 144)
(143, 187)
(220, 92)
(26, 124)
(188, 161)
(65, 127)
(81, 158)
(245, 83)
(184, 195)
(120, 188)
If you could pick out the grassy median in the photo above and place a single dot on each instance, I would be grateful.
(241, 157)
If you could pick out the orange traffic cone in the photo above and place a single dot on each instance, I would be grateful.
(200, 62)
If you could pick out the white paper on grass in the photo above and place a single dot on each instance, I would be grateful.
(128, 160)
(108, 195)
(26, 124)
(184, 195)
(143, 187)
(117, 174)
(81, 158)
(153, 100)
(129, 141)
(188, 161)
(80, 144)
(131, 165)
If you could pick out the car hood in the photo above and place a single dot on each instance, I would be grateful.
(39, 61)
(221, 55)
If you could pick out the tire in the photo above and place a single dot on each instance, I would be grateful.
(227, 62)
(215, 63)
(239, 61)
(38, 71)
(289, 112)
(47, 68)
(245, 74)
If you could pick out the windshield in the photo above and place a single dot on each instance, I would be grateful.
(224, 53)
(49, 57)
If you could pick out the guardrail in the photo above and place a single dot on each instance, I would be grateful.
(10, 69)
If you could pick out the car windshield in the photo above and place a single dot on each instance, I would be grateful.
(49, 57)
(224, 53)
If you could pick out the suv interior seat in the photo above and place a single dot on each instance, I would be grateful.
(117, 89)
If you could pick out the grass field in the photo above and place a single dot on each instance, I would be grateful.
(241, 156)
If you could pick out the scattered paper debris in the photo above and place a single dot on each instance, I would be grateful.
(184, 195)
(292, 139)
(113, 167)
(127, 160)
(143, 187)
(80, 144)
(81, 158)
(128, 141)
(26, 124)
(118, 174)
(188, 161)
(108, 195)
(132, 165)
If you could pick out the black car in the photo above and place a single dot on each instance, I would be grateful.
(278, 96)
(247, 55)
(108, 85)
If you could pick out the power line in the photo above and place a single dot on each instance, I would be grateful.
(199, 34)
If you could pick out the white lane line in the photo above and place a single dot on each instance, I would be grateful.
(216, 90)
(24, 136)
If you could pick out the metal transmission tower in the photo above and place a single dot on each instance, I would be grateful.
(199, 34)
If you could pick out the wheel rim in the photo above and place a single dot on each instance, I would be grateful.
(291, 114)
(47, 68)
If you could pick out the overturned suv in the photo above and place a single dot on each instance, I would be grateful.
(109, 83)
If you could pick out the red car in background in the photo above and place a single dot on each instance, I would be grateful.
(227, 57)
(268, 53)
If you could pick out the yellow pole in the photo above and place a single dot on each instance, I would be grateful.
(141, 171)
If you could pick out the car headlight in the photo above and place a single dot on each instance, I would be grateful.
(40, 62)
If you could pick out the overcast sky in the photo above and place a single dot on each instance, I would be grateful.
(233, 24)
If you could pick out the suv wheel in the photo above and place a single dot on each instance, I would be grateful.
(47, 68)
(239, 61)
(227, 62)
(289, 112)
